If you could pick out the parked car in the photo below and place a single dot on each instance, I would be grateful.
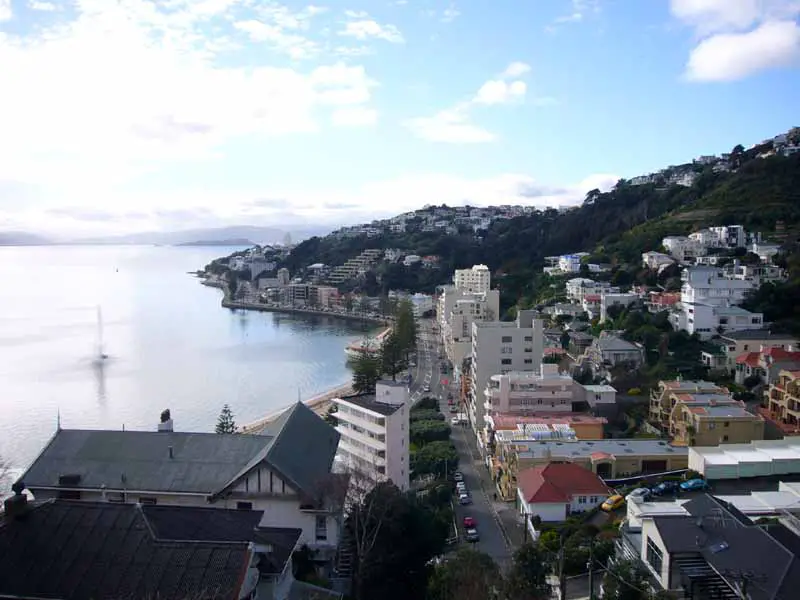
(458, 476)
(665, 487)
(642, 493)
(472, 535)
(426, 388)
(469, 523)
(613, 503)
(694, 485)
(464, 499)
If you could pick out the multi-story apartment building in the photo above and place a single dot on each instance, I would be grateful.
(579, 288)
(374, 433)
(457, 312)
(709, 420)
(683, 248)
(666, 396)
(476, 280)
(732, 344)
(708, 303)
(782, 401)
(499, 347)
(530, 392)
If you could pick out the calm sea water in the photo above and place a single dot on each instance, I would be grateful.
(170, 344)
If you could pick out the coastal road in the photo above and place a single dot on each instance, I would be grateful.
(426, 371)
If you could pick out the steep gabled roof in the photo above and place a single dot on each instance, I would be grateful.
(559, 482)
(302, 450)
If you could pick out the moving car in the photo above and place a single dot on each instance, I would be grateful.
(464, 499)
(695, 484)
(665, 487)
(613, 503)
(469, 523)
(426, 388)
(472, 535)
(642, 493)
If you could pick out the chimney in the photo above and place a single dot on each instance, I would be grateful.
(166, 421)
(16, 506)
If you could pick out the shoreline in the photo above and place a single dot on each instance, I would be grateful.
(257, 306)
(319, 404)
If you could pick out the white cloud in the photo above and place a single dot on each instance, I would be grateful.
(5, 10)
(361, 27)
(454, 126)
(733, 56)
(42, 6)
(450, 14)
(284, 30)
(354, 116)
(739, 38)
(200, 208)
(449, 126)
(127, 88)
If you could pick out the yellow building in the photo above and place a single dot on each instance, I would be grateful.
(709, 420)
(668, 394)
(782, 401)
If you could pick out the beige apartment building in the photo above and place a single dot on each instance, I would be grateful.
(712, 420)
(664, 399)
(782, 401)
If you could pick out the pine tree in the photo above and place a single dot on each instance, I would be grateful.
(366, 372)
(225, 423)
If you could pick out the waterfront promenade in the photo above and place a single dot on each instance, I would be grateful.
(319, 404)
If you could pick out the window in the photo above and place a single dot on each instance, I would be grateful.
(528, 361)
(69, 494)
(506, 350)
(506, 339)
(655, 557)
(321, 528)
(726, 424)
(244, 506)
(528, 338)
(148, 500)
(712, 425)
(724, 438)
(505, 361)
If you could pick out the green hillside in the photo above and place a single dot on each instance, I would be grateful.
(616, 227)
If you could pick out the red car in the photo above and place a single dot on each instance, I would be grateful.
(469, 523)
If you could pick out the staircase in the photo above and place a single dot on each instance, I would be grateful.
(341, 578)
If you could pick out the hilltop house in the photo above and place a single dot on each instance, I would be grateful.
(284, 472)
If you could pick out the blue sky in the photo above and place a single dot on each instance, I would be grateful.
(135, 115)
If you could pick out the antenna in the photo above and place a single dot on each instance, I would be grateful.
(58, 419)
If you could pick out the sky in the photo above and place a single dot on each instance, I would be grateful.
(136, 115)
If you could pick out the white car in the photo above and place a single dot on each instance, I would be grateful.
(639, 493)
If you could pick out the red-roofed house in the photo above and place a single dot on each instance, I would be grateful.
(556, 490)
(766, 363)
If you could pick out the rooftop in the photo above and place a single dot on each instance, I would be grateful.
(559, 482)
(368, 402)
(299, 445)
(597, 389)
(757, 334)
(582, 448)
(689, 385)
(505, 421)
(64, 549)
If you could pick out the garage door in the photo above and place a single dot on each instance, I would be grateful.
(654, 466)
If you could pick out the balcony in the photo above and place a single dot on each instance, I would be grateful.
(348, 432)
(355, 419)
(370, 458)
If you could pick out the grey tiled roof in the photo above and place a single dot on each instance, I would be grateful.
(368, 402)
(299, 446)
(201, 462)
(86, 550)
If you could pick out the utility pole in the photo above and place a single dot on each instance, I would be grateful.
(562, 577)
(590, 564)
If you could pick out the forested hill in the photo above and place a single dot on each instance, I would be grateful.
(617, 226)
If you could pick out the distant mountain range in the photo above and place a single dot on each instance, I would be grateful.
(221, 236)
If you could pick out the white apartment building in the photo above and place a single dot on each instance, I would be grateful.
(457, 327)
(709, 303)
(529, 393)
(683, 248)
(374, 433)
(476, 280)
(500, 347)
(730, 236)
(569, 263)
(579, 288)
(656, 260)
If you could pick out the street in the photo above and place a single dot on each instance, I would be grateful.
(427, 372)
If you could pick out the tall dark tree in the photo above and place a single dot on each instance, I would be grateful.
(527, 578)
(393, 356)
(405, 326)
(225, 422)
(393, 539)
(626, 580)
(366, 372)
(469, 575)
